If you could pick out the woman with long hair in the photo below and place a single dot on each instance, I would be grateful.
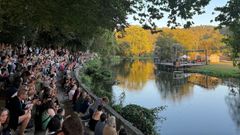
(4, 119)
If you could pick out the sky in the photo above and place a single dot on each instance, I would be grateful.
(203, 19)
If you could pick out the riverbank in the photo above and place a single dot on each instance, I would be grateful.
(223, 69)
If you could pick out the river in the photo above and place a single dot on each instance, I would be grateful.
(196, 105)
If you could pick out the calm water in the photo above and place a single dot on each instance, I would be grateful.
(196, 105)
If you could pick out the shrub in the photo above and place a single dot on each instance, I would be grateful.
(97, 78)
(142, 118)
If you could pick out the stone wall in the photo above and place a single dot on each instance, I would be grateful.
(121, 122)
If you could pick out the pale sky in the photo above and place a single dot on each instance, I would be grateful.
(203, 19)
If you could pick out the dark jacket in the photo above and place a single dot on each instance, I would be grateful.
(16, 109)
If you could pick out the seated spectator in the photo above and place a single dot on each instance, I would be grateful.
(69, 129)
(4, 73)
(95, 117)
(100, 125)
(76, 96)
(100, 101)
(122, 132)
(79, 101)
(18, 113)
(12, 89)
(55, 123)
(110, 127)
(71, 92)
(4, 119)
(84, 106)
(47, 114)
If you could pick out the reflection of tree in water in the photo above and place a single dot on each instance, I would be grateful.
(173, 89)
(134, 75)
(233, 101)
(122, 69)
(177, 89)
(204, 81)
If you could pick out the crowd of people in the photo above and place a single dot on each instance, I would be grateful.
(29, 77)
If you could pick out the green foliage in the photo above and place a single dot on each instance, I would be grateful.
(69, 16)
(165, 47)
(85, 79)
(117, 108)
(92, 66)
(74, 21)
(97, 78)
(142, 118)
(146, 11)
(80, 20)
(230, 17)
(124, 49)
(104, 44)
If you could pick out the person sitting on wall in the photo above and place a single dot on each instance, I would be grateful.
(110, 127)
(55, 123)
(95, 117)
(122, 131)
(100, 101)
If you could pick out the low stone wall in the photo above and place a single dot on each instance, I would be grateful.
(121, 122)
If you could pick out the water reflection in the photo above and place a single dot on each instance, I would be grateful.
(178, 89)
(134, 75)
(233, 101)
(201, 100)
(204, 81)
(173, 89)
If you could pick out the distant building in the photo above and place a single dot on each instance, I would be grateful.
(214, 58)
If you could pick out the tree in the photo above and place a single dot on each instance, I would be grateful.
(84, 18)
(139, 40)
(164, 47)
(146, 11)
(124, 49)
(230, 17)
(105, 44)
(200, 37)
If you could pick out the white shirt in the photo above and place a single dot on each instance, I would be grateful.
(70, 94)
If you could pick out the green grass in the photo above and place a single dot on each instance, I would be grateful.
(223, 69)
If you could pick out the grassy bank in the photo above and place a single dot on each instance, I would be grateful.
(223, 69)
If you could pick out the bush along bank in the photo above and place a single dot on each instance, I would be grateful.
(97, 78)
(141, 117)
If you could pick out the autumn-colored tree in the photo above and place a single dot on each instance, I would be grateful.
(137, 41)
(201, 37)
(140, 41)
